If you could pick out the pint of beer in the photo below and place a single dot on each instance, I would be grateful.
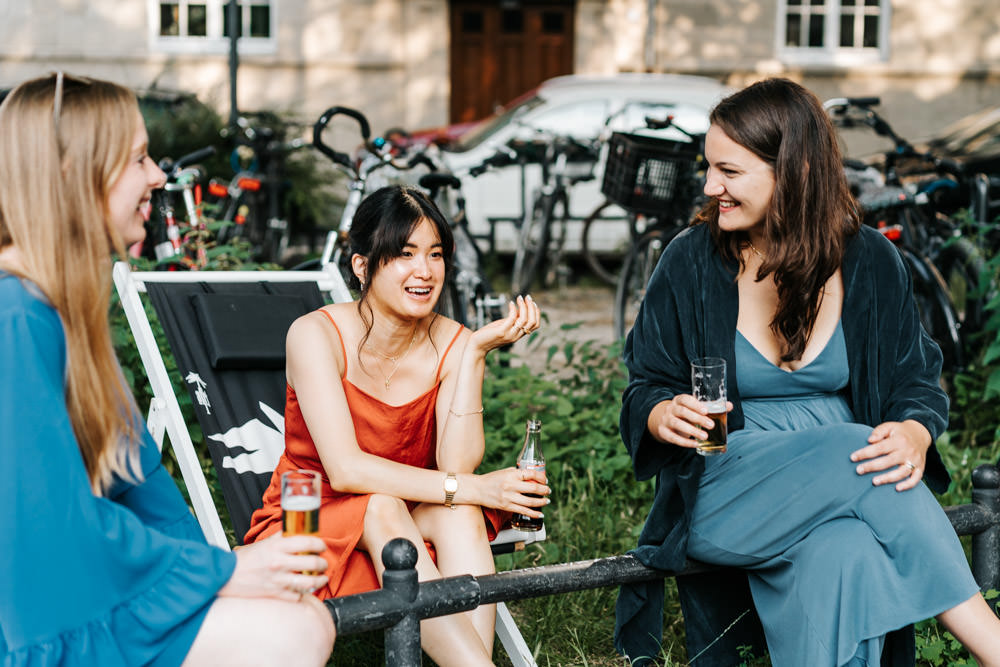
(300, 501)
(708, 385)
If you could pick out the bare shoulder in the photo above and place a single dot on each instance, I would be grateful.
(449, 338)
(313, 331)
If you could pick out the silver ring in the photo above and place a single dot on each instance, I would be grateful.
(912, 467)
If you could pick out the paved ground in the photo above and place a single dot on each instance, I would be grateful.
(589, 306)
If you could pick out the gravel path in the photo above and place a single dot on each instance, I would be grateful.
(590, 307)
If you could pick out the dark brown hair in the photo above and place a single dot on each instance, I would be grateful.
(811, 215)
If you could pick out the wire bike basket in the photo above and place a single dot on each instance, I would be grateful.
(645, 174)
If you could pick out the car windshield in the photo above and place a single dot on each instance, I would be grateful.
(586, 119)
(489, 127)
(975, 134)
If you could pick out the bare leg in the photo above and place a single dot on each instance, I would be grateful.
(459, 536)
(245, 631)
(975, 625)
(448, 640)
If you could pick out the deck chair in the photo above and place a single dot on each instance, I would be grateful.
(226, 332)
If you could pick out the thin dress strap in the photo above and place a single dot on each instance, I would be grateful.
(437, 376)
(340, 337)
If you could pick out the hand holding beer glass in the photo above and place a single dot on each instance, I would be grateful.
(708, 385)
(300, 501)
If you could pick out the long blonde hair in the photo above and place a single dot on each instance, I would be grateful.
(63, 150)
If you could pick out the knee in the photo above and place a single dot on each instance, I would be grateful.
(387, 514)
(318, 630)
(464, 519)
(308, 631)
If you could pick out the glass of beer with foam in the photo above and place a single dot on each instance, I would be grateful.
(708, 385)
(300, 500)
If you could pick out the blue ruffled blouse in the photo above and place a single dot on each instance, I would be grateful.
(86, 581)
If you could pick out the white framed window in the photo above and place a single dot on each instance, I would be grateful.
(833, 32)
(202, 26)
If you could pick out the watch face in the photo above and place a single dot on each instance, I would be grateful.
(451, 484)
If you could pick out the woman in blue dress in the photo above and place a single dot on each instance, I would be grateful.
(104, 565)
(822, 499)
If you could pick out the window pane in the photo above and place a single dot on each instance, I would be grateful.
(847, 3)
(512, 21)
(871, 32)
(170, 25)
(871, 3)
(817, 3)
(793, 28)
(197, 20)
(846, 30)
(794, 3)
(816, 30)
(472, 21)
(553, 23)
(260, 20)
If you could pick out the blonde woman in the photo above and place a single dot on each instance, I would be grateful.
(103, 562)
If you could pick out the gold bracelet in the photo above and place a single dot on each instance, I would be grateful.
(466, 414)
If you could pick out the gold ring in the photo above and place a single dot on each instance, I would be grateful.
(912, 467)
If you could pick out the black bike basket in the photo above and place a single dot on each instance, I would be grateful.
(646, 174)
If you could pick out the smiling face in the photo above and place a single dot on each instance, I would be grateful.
(739, 181)
(411, 283)
(128, 198)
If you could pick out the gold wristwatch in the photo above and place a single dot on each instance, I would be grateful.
(450, 487)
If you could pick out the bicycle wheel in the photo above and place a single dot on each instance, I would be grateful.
(532, 245)
(632, 281)
(603, 265)
(962, 266)
(937, 314)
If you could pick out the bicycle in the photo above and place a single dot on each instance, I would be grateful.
(468, 296)
(659, 182)
(164, 233)
(947, 268)
(254, 198)
(565, 161)
(374, 155)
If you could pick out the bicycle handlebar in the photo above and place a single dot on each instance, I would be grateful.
(173, 167)
(838, 108)
(324, 120)
(668, 122)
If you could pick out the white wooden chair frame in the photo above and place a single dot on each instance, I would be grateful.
(165, 417)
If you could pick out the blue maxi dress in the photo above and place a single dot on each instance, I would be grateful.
(834, 562)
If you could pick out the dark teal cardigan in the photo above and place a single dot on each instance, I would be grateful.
(690, 311)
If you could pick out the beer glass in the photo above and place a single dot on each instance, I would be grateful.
(708, 385)
(300, 501)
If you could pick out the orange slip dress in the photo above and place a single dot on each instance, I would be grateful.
(404, 433)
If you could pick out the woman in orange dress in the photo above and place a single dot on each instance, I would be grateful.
(384, 399)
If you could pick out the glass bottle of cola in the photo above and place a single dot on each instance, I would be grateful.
(530, 458)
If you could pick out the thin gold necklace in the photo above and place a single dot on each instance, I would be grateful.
(754, 248)
(394, 359)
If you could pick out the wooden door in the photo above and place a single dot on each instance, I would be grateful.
(502, 49)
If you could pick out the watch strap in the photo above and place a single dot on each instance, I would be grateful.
(450, 487)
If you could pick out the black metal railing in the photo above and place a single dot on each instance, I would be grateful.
(402, 602)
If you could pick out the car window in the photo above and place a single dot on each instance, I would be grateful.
(578, 119)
